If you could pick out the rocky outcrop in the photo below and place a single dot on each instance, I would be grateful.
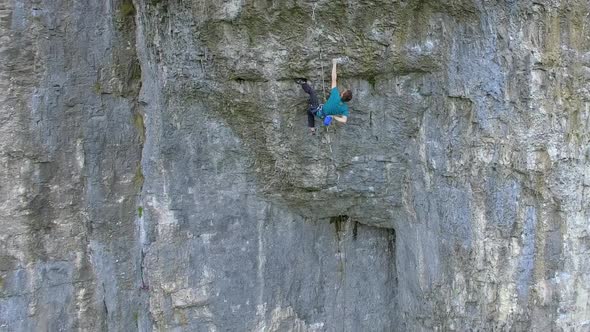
(157, 173)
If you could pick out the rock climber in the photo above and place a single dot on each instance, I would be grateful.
(335, 108)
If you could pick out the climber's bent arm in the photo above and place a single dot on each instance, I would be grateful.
(341, 119)
(333, 74)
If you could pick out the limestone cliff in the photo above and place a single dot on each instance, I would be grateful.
(157, 173)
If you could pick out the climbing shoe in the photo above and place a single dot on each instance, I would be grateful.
(301, 81)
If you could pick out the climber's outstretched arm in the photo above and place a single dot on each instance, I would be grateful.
(340, 118)
(334, 62)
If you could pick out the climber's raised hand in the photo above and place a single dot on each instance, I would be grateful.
(334, 63)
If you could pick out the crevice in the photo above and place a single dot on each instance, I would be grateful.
(144, 285)
(104, 303)
(339, 222)
(391, 247)
(128, 68)
(249, 79)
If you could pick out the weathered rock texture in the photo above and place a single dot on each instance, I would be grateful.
(157, 173)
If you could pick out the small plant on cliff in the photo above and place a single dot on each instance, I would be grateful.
(97, 88)
(126, 9)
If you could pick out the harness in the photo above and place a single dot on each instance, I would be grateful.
(319, 112)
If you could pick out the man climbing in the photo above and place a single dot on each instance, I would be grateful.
(334, 109)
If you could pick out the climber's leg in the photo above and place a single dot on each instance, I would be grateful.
(311, 117)
(313, 104)
(313, 97)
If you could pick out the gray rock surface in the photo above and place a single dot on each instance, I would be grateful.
(157, 173)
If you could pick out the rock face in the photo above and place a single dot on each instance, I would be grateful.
(157, 173)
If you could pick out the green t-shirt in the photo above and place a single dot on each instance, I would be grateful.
(335, 105)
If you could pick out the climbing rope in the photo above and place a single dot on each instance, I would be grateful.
(323, 80)
(316, 35)
(327, 127)
(320, 48)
